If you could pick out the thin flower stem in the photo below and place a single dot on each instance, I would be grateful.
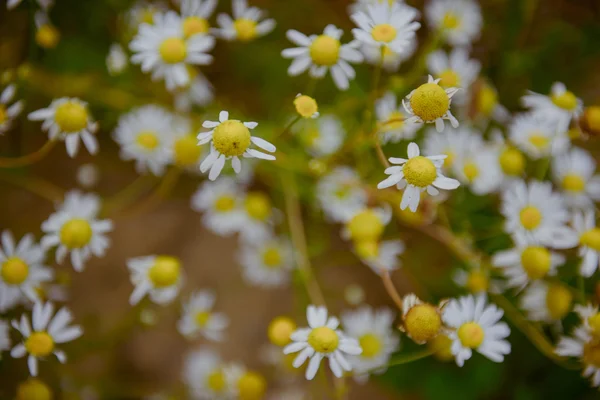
(288, 127)
(162, 191)
(408, 358)
(35, 185)
(126, 195)
(390, 288)
(28, 159)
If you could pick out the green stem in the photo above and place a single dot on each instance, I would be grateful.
(408, 358)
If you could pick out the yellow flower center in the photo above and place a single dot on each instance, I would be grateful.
(39, 344)
(394, 122)
(14, 271)
(487, 99)
(591, 118)
(258, 206)
(591, 353)
(251, 386)
(186, 151)
(449, 161)
(272, 257)
(573, 183)
(225, 203)
(512, 161)
(530, 217)
(441, 347)
(471, 335)
(147, 140)
(430, 102)
(173, 50)
(471, 171)
(567, 101)
(245, 28)
(449, 78)
(306, 106)
(323, 339)
(419, 171)
(165, 271)
(71, 117)
(47, 36)
(371, 345)
(366, 249)
(591, 238)
(477, 282)
(343, 191)
(536, 262)
(33, 389)
(422, 322)
(325, 50)
(231, 138)
(558, 301)
(538, 140)
(202, 318)
(594, 323)
(384, 33)
(3, 115)
(216, 381)
(450, 21)
(76, 233)
(365, 226)
(193, 25)
(280, 330)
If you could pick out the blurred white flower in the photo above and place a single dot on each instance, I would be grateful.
(199, 319)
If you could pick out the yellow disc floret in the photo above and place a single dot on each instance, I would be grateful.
(173, 50)
(422, 322)
(430, 102)
(251, 386)
(323, 340)
(325, 50)
(47, 36)
(477, 282)
(71, 116)
(590, 120)
(536, 261)
(384, 33)
(539, 140)
(365, 226)
(224, 203)
(14, 271)
(419, 171)
(76, 233)
(449, 78)
(573, 183)
(147, 140)
(231, 138)
(594, 324)
(245, 29)
(471, 171)
(471, 335)
(186, 151)
(258, 206)
(272, 257)
(591, 353)
(566, 100)
(39, 344)
(487, 99)
(33, 389)
(395, 121)
(280, 330)
(366, 249)
(441, 347)
(202, 318)
(193, 25)
(3, 114)
(215, 381)
(165, 271)
(371, 345)
(306, 106)
(530, 217)
(558, 300)
(450, 21)
(591, 238)
(512, 161)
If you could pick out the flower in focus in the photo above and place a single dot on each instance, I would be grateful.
(9, 112)
(476, 326)
(321, 340)
(421, 321)
(68, 119)
(340, 194)
(459, 21)
(199, 319)
(117, 60)
(244, 384)
(246, 24)
(546, 302)
(322, 53)
(221, 204)
(538, 135)
(417, 174)
(75, 229)
(561, 104)
(159, 276)
(322, 137)
(390, 117)
(203, 374)
(573, 172)
(48, 331)
(306, 106)
(584, 224)
(230, 139)
(454, 69)
(430, 103)
(267, 263)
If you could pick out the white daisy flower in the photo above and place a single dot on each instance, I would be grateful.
(574, 171)
(268, 263)
(68, 119)
(75, 229)
(46, 35)
(321, 340)
(476, 326)
(387, 256)
(199, 93)
(421, 321)
(230, 139)
(546, 302)
(199, 319)
(537, 213)
(185, 152)
(526, 262)
(374, 331)
(560, 104)
(459, 21)
(510, 160)
(476, 280)
(391, 60)
(5, 342)
(116, 60)
(322, 137)
(341, 194)
(47, 332)
(417, 174)
(584, 224)
(478, 168)
(87, 175)
(221, 204)
(367, 225)
(538, 135)
(590, 317)
(585, 346)
(143, 12)
(247, 23)
(455, 69)
(391, 116)
(22, 270)
(384, 24)
(203, 374)
(166, 50)
(259, 217)
(322, 53)
(9, 112)
(243, 383)
(161, 277)
(195, 14)
(484, 102)
(144, 136)
(362, 5)
(430, 103)
(452, 143)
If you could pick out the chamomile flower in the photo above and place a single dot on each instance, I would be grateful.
(476, 326)
(185, 151)
(166, 50)
(9, 112)
(365, 228)
(459, 21)
(199, 93)
(387, 256)
(322, 339)
(48, 331)
(392, 26)
(452, 143)
(243, 383)
(322, 53)
(306, 106)
(4, 337)
(195, 14)
(391, 61)
(535, 212)
(421, 321)
(203, 374)
(221, 203)
(415, 175)
(391, 116)
(573, 172)
(267, 263)
(511, 160)
(46, 35)
(485, 104)
(87, 175)
(247, 24)
(144, 136)
(199, 319)
(143, 12)
(526, 262)
(161, 277)
(259, 218)
(455, 69)
(538, 135)
(21, 270)
(374, 331)
(585, 346)
(430, 103)
(560, 104)
(68, 119)
(74, 228)
(362, 5)
(341, 194)
(476, 280)
(478, 168)
(229, 139)
(116, 60)
(322, 137)
(546, 302)
(584, 224)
